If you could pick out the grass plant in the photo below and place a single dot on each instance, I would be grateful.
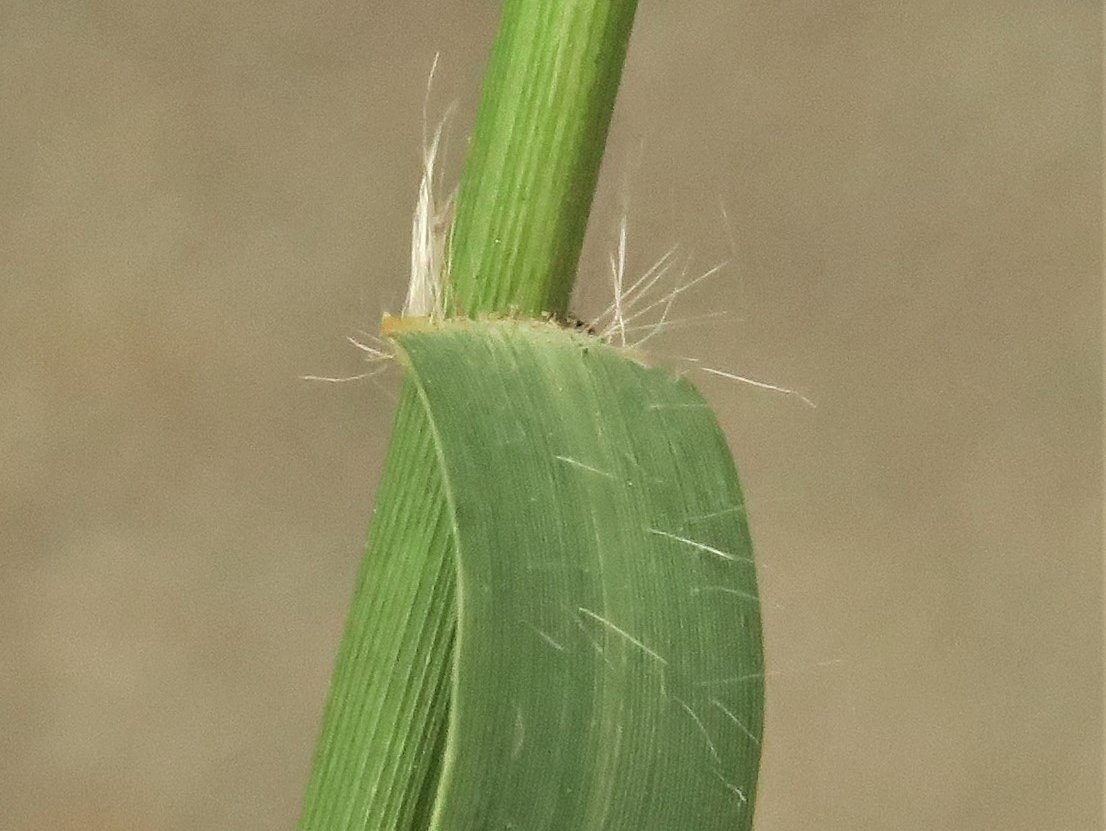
(556, 622)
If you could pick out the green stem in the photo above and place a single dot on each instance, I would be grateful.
(530, 175)
(522, 210)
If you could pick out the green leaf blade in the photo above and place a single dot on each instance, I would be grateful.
(608, 668)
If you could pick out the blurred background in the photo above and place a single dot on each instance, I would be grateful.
(200, 201)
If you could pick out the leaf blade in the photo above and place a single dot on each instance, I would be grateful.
(598, 552)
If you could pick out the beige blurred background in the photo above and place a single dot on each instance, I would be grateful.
(201, 200)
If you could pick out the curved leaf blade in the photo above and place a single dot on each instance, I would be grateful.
(608, 670)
